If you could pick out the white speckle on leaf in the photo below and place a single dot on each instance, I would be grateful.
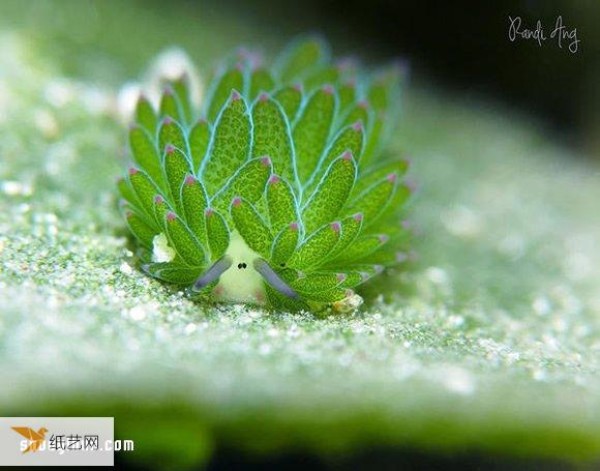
(513, 246)
(437, 275)
(161, 251)
(462, 222)
(541, 305)
(15, 188)
(265, 349)
(97, 100)
(46, 123)
(540, 375)
(455, 321)
(127, 99)
(137, 313)
(126, 269)
(190, 328)
(578, 266)
(455, 379)
(60, 92)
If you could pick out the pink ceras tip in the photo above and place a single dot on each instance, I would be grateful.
(358, 126)
(328, 89)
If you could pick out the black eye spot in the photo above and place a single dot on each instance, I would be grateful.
(239, 266)
(244, 265)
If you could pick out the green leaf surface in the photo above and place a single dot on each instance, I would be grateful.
(198, 140)
(316, 248)
(384, 87)
(184, 242)
(316, 282)
(348, 139)
(261, 80)
(289, 98)
(300, 57)
(177, 167)
(218, 234)
(171, 133)
(173, 273)
(391, 169)
(331, 194)
(248, 183)
(139, 227)
(373, 142)
(230, 144)
(126, 191)
(232, 79)
(285, 244)
(195, 203)
(181, 87)
(346, 95)
(281, 203)
(373, 200)
(351, 228)
(146, 155)
(322, 76)
(145, 190)
(360, 248)
(271, 137)
(145, 115)
(251, 227)
(312, 130)
(169, 107)
(359, 112)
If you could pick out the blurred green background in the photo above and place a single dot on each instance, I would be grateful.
(483, 353)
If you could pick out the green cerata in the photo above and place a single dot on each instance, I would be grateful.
(277, 190)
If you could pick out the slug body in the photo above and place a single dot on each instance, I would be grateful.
(241, 283)
(274, 192)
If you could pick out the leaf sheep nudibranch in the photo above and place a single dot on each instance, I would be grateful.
(276, 191)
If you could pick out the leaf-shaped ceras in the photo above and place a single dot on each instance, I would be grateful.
(276, 191)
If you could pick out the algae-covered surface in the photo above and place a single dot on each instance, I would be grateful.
(489, 341)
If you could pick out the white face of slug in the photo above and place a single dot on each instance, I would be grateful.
(241, 283)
